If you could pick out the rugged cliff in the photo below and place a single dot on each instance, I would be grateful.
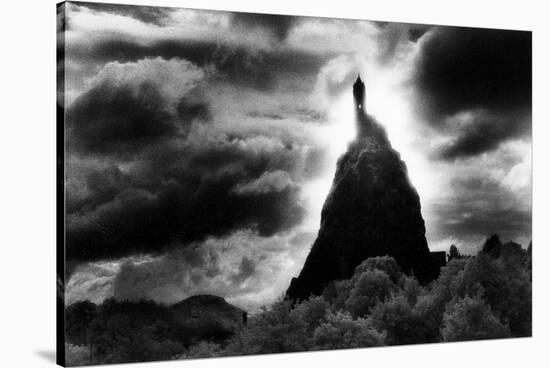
(372, 210)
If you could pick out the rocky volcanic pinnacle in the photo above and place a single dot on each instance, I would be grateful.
(372, 210)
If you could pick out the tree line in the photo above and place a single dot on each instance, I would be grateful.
(485, 296)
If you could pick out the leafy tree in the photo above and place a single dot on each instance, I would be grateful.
(482, 297)
(386, 264)
(369, 288)
(411, 289)
(432, 301)
(504, 285)
(203, 349)
(401, 322)
(528, 258)
(76, 355)
(130, 332)
(311, 312)
(336, 293)
(471, 319)
(454, 253)
(78, 318)
(341, 331)
(276, 330)
(492, 246)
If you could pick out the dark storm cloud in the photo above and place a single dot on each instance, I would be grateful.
(139, 221)
(130, 107)
(105, 184)
(484, 207)
(147, 14)
(114, 119)
(481, 71)
(468, 68)
(417, 30)
(278, 25)
(241, 66)
(190, 109)
(185, 198)
(184, 178)
(482, 134)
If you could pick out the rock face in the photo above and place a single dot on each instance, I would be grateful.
(371, 210)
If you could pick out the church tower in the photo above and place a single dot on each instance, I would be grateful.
(359, 95)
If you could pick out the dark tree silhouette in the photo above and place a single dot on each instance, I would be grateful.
(454, 253)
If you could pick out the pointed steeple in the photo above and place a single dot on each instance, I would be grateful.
(359, 94)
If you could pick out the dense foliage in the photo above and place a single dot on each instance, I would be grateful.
(486, 296)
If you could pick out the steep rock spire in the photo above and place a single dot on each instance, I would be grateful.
(372, 210)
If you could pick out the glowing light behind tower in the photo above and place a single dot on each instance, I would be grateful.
(386, 99)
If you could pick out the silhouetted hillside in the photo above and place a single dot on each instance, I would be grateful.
(372, 210)
(208, 316)
(123, 331)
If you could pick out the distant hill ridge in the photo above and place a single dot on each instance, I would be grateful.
(204, 309)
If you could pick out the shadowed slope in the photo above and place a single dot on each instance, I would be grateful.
(371, 210)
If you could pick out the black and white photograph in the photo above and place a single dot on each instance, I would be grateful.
(207, 183)
(235, 183)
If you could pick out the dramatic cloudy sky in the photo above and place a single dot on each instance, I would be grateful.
(200, 145)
